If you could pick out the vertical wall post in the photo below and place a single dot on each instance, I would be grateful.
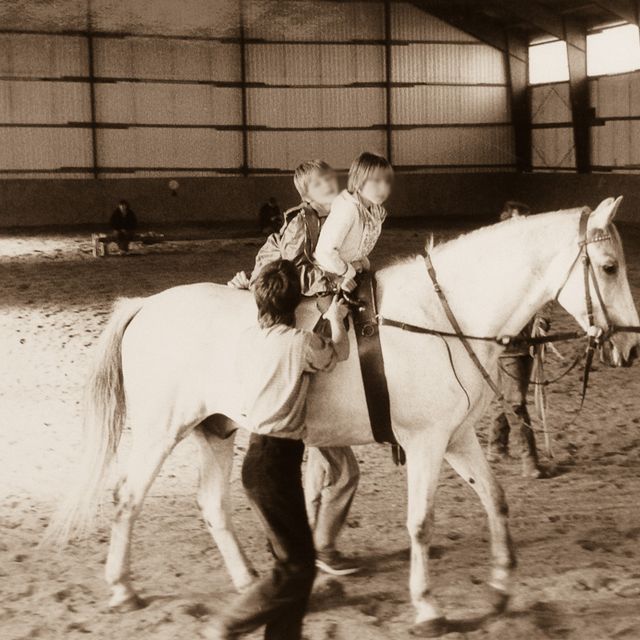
(388, 79)
(92, 92)
(517, 58)
(576, 38)
(243, 93)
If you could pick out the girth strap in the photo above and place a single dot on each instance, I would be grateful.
(371, 362)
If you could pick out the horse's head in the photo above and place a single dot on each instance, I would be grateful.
(596, 280)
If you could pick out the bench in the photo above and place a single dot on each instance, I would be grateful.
(100, 241)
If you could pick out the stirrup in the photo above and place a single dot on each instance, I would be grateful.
(398, 455)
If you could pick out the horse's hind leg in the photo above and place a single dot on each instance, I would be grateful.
(216, 461)
(466, 457)
(144, 463)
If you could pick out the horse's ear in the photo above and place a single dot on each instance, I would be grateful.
(605, 212)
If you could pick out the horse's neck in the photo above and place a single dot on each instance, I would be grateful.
(494, 279)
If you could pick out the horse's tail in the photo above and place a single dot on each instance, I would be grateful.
(104, 414)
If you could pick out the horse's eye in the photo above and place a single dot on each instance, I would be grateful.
(610, 269)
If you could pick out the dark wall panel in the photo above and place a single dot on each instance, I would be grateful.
(69, 202)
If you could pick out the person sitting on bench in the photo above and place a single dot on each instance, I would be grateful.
(124, 224)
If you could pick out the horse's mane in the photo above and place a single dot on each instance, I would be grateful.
(523, 223)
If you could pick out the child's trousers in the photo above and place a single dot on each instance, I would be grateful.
(272, 479)
(331, 481)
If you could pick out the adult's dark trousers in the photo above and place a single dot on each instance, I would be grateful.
(272, 479)
(123, 237)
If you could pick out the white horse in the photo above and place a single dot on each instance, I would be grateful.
(168, 361)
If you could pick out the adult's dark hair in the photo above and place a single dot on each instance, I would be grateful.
(277, 291)
(511, 206)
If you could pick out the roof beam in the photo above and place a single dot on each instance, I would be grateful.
(463, 16)
(518, 70)
(625, 9)
(581, 113)
(534, 14)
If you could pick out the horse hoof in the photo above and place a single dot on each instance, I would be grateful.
(533, 472)
(430, 628)
(245, 585)
(132, 603)
(499, 600)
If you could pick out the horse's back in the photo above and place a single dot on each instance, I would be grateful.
(184, 343)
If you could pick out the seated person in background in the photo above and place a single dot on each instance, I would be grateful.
(124, 223)
(270, 218)
(275, 364)
(514, 377)
(355, 221)
(332, 473)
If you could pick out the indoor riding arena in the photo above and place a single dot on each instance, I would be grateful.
(484, 148)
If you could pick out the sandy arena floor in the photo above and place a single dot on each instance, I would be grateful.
(577, 534)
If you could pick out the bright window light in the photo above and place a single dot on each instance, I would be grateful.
(615, 50)
(548, 62)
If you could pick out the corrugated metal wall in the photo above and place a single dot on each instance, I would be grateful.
(616, 141)
(314, 20)
(454, 85)
(180, 86)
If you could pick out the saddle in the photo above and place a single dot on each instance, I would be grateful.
(365, 321)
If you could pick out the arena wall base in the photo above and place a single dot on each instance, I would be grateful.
(226, 199)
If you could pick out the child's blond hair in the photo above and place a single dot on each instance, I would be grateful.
(303, 173)
(363, 167)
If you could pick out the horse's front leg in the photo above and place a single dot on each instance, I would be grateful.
(424, 460)
(465, 455)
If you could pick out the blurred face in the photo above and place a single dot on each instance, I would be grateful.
(323, 188)
(377, 188)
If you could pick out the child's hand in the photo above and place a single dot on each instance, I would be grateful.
(348, 284)
(239, 281)
(338, 309)
(362, 265)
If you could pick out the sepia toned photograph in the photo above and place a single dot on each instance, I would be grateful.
(319, 319)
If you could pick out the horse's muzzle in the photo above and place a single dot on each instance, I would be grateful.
(633, 354)
(612, 355)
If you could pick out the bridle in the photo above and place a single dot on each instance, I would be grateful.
(596, 336)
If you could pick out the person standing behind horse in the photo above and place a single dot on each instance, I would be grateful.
(332, 473)
(275, 363)
(514, 377)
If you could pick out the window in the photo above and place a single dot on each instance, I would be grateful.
(548, 62)
(614, 50)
